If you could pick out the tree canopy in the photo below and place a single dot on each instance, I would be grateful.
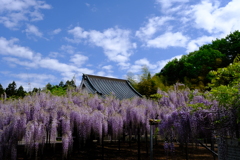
(193, 68)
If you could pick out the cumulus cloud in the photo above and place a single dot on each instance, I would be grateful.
(64, 69)
(13, 12)
(13, 52)
(168, 40)
(138, 65)
(78, 33)
(214, 19)
(194, 45)
(115, 42)
(9, 48)
(13, 61)
(169, 5)
(153, 25)
(68, 48)
(153, 36)
(153, 67)
(108, 67)
(160, 64)
(78, 59)
(32, 80)
(56, 31)
(33, 30)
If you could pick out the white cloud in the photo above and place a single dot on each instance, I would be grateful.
(153, 68)
(108, 67)
(154, 24)
(40, 77)
(66, 70)
(138, 65)
(78, 59)
(194, 45)
(56, 31)
(101, 73)
(12, 61)
(78, 33)
(54, 54)
(168, 40)
(162, 63)
(9, 48)
(35, 60)
(68, 48)
(12, 12)
(167, 5)
(115, 42)
(33, 80)
(33, 30)
(215, 19)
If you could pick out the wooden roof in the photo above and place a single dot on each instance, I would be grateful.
(103, 86)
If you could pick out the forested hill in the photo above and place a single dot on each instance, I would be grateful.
(193, 69)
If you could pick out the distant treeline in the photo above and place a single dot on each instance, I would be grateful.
(201, 69)
(13, 92)
(195, 69)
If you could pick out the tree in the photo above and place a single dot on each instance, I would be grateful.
(70, 84)
(20, 92)
(229, 46)
(1, 90)
(58, 91)
(49, 86)
(229, 75)
(146, 86)
(36, 90)
(11, 89)
(61, 84)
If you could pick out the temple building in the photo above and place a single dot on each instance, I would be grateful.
(103, 86)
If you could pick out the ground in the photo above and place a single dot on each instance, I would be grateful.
(128, 151)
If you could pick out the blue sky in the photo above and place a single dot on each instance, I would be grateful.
(51, 41)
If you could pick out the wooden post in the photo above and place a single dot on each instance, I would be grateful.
(152, 122)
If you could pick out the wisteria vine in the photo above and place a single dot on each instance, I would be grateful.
(40, 118)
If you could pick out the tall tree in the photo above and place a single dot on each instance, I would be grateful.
(1, 90)
(61, 84)
(146, 86)
(70, 84)
(193, 69)
(20, 92)
(11, 90)
(49, 86)
(229, 75)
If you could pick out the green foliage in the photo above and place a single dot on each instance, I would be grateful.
(198, 106)
(11, 90)
(20, 92)
(229, 75)
(49, 86)
(146, 86)
(193, 69)
(70, 84)
(227, 96)
(156, 96)
(229, 46)
(159, 82)
(131, 79)
(1, 90)
(58, 91)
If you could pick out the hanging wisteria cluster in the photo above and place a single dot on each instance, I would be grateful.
(41, 118)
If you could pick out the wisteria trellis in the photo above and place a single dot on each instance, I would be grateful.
(35, 119)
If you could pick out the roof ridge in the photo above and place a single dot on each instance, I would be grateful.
(105, 77)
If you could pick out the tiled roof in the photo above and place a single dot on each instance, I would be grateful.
(121, 88)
